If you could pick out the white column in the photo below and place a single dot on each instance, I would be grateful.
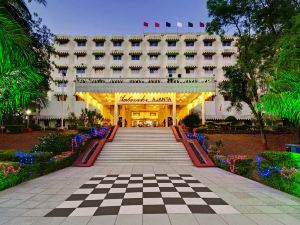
(174, 112)
(123, 115)
(116, 111)
(166, 115)
(203, 111)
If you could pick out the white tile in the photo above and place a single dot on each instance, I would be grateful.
(111, 202)
(173, 175)
(157, 219)
(124, 175)
(127, 219)
(196, 185)
(188, 178)
(162, 178)
(104, 185)
(117, 190)
(96, 197)
(121, 181)
(177, 219)
(224, 209)
(149, 181)
(131, 209)
(178, 181)
(83, 191)
(165, 185)
(70, 204)
(136, 178)
(110, 178)
(184, 189)
(99, 176)
(149, 175)
(135, 185)
(207, 195)
(92, 182)
(151, 189)
(194, 201)
(88, 211)
(153, 201)
(134, 195)
(170, 195)
(105, 220)
(177, 209)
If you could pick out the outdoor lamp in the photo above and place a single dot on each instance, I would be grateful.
(28, 112)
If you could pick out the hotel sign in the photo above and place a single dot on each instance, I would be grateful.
(144, 100)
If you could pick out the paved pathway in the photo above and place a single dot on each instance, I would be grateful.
(124, 195)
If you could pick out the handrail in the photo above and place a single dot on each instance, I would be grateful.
(113, 134)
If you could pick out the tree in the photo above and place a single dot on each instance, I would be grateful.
(90, 117)
(25, 50)
(191, 121)
(257, 24)
(282, 98)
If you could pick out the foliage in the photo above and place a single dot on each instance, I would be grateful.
(14, 129)
(73, 121)
(54, 142)
(90, 117)
(192, 120)
(15, 156)
(231, 119)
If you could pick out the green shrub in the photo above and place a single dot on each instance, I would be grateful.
(201, 130)
(14, 129)
(231, 119)
(244, 167)
(35, 127)
(83, 129)
(55, 143)
(281, 159)
(191, 121)
(37, 156)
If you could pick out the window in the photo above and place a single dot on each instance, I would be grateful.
(99, 43)
(63, 43)
(98, 71)
(208, 57)
(63, 57)
(135, 57)
(189, 71)
(77, 98)
(98, 57)
(189, 43)
(135, 44)
(117, 71)
(62, 71)
(80, 57)
(117, 57)
(135, 70)
(208, 71)
(80, 71)
(226, 57)
(226, 43)
(81, 43)
(117, 43)
(171, 57)
(208, 43)
(153, 70)
(61, 98)
(153, 57)
(172, 43)
(190, 57)
(153, 43)
(62, 84)
(171, 71)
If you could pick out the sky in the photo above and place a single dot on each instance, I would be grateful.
(91, 17)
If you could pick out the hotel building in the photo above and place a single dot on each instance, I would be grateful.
(140, 80)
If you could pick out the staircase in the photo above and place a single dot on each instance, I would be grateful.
(143, 146)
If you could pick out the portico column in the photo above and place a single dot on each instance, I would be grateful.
(116, 111)
(174, 112)
(203, 111)
(123, 115)
(166, 114)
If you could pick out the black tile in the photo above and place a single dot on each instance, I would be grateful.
(128, 190)
(110, 210)
(132, 201)
(203, 209)
(175, 178)
(189, 195)
(89, 186)
(180, 185)
(135, 181)
(161, 175)
(215, 201)
(76, 197)
(149, 178)
(164, 181)
(60, 212)
(136, 175)
(115, 196)
(185, 175)
(201, 189)
(150, 185)
(97, 178)
(123, 178)
(174, 201)
(154, 209)
(90, 203)
(100, 190)
(167, 189)
(119, 185)
(112, 175)
(107, 182)
(192, 181)
(152, 195)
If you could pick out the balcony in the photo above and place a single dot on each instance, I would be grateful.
(177, 85)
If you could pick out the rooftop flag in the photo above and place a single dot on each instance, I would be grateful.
(168, 24)
(202, 24)
(146, 24)
(190, 24)
(157, 25)
(179, 24)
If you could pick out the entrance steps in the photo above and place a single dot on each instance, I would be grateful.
(140, 145)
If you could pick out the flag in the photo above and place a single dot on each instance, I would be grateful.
(146, 24)
(168, 24)
(179, 24)
(156, 24)
(190, 24)
(202, 24)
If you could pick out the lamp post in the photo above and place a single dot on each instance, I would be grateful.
(62, 105)
(28, 112)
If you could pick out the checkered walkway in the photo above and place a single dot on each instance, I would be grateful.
(142, 194)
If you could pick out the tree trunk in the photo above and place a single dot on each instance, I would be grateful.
(297, 134)
(262, 132)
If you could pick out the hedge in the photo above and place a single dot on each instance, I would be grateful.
(12, 156)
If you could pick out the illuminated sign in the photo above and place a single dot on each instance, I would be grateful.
(144, 99)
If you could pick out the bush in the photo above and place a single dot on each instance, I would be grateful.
(14, 129)
(35, 127)
(231, 119)
(84, 129)
(201, 130)
(281, 159)
(244, 167)
(12, 156)
(55, 143)
(192, 120)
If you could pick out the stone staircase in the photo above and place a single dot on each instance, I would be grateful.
(143, 146)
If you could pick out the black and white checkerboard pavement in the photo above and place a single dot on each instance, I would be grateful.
(142, 194)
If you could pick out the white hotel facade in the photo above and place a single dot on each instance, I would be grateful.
(140, 80)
